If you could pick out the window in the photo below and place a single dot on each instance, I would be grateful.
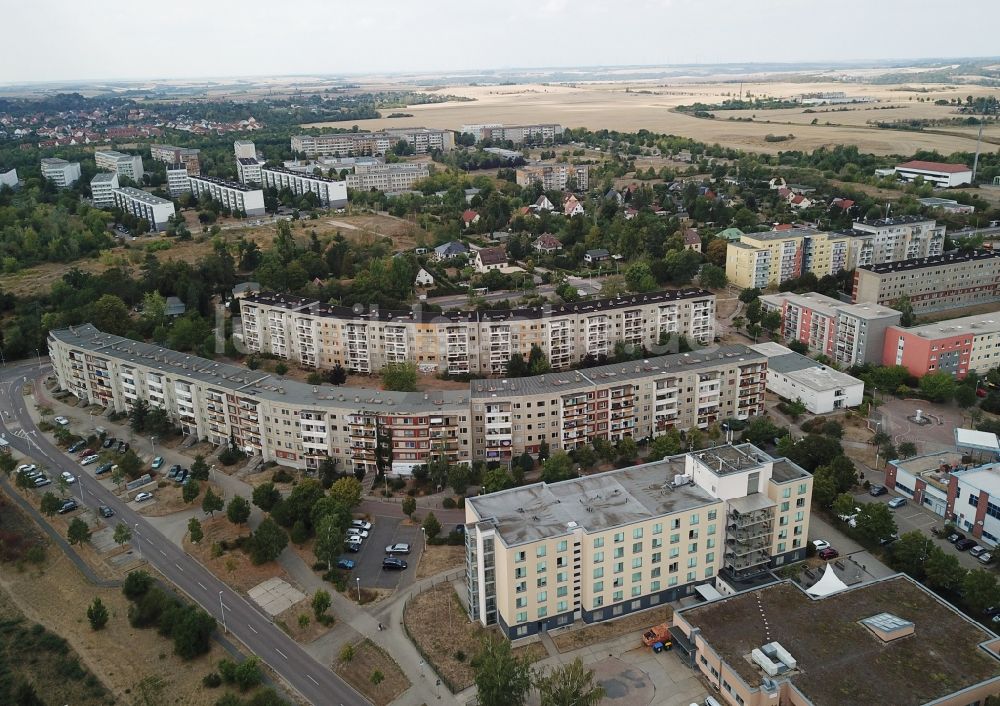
(521, 603)
(675, 524)
(599, 572)
(637, 547)
(540, 551)
(786, 493)
(561, 547)
(636, 591)
(598, 586)
(693, 534)
(542, 596)
(658, 528)
(711, 530)
(799, 516)
(803, 487)
(562, 591)
(520, 572)
(656, 558)
(598, 542)
(541, 582)
(637, 533)
(691, 576)
(617, 596)
(695, 519)
(619, 567)
(542, 611)
(617, 583)
(598, 601)
(672, 581)
(675, 552)
(619, 537)
(561, 577)
(800, 502)
(710, 557)
(637, 562)
(561, 607)
(673, 567)
(712, 514)
(619, 552)
(519, 556)
(675, 538)
(540, 567)
(522, 617)
(785, 506)
(692, 562)
(598, 557)
(655, 572)
(636, 576)
(692, 548)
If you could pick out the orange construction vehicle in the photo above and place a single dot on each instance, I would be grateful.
(659, 633)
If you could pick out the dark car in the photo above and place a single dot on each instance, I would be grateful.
(181, 475)
(877, 490)
(828, 553)
(391, 563)
(77, 446)
(964, 544)
(106, 511)
(103, 468)
(955, 537)
(174, 470)
(109, 442)
(68, 506)
(353, 548)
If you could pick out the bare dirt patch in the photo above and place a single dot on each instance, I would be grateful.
(231, 565)
(437, 559)
(637, 623)
(370, 658)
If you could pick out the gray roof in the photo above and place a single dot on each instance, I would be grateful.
(246, 287)
(595, 503)
(803, 369)
(144, 196)
(451, 248)
(600, 252)
(102, 177)
(175, 306)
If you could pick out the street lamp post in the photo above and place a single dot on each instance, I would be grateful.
(135, 534)
(39, 357)
(358, 580)
(152, 443)
(424, 533)
(222, 612)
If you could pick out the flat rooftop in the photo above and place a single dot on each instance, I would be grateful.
(225, 183)
(102, 177)
(803, 369)
(800, 232)
(144, 196)
(984, 477)
(928, 262)
(297, 175)
(979, 325)
(594, 503)
(933, 462)
(840, 660)
(829, 306)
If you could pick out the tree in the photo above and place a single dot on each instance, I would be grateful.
(813, 449)
(199, 469)
(906, 449)
(432, 528)
(130, 464)
(843, 505)
(118, 476)
(50, 504)
(329, 538)
(905, 307)
(771, 321)
(538, 364)
(760, 431)
(668, 444)
(400, 377)
(627, 449)
(965, 396)
(138, 415)
(265, 496)
(980, 590)
(713, 277)
(136, 584)
(795, 408)
(267, 542)
(458, 478)
(497, 479)
(910, 552)
(938, 387)
(409, 506)
(194, 529)
(320, 603)
(569, 685)
(192, 633)
(943, 571)
(190, 491)
(97, 614)
(347, 491)
(211, 503)
(78, 531)
(337, 375)
(502, 679)
(875, 521)
(558, 467)
(122, 534)
(824, 487)
(109, 314)
(238, 510)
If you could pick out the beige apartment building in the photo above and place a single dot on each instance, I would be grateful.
(633, 538)
(640, 399)
(390, 178)
(554, 177)
(933, 283)
(354, 144)
(190, 157)
(890, 239)
(474, 342)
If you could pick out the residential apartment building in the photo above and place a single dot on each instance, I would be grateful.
(143, 204)
(873, 242)
(177, 179)
(762, 259)
(124, 165)
(849, 334)
(102, 189)
(796, 645)
(517, 134)
(328, 192)
(188, 156)
(248, 170)
(352, 144)
(245, 149)
(956, 346)
(933, 283)
(819, 387)
(8, 178)
(641, 399)
(389, 178)
(554, 177)
(238, 198)
(631, 539)
(60, 172)
(473, 342)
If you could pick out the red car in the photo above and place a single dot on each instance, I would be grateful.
(829, 553)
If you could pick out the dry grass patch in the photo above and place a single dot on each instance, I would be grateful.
(437, 559)
(303, 631)
(368, 658)
(169, 499)
(636, 623)
(232, 566)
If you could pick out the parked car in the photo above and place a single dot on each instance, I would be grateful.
(346, 564)
(829, 553)
(85, 453)
(354, 539)
(391, 563)
(27, 468)
(897, 503)
(182, 475)
(68, 477)
(352, 547)
(877, 490)
(965, 544)
(821, 544)
(106, 511)
(977, 550)
(955, 537)
(886, 541)
(68, 506)
(143, 496)
(42, 480)
(362, 525)
(61, 421)
(355, 532)
(985, 558)
(76, 446)
(174, 470)
(398, 548)
(157, 462)
(103, 468)
(109, 442)
(87, 460)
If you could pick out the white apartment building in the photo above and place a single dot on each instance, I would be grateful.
(352, 144)
(245, 149)
(595, 548)
(329, 192)
(248, 169)
(479, 342)
(238, 198)
(177, 180)
(554, 177)
(388, 178)
(102, 189)
(8, 178)
(124, 165)
(143, 204)
(517, 134)
(820, 388)
(60, 172)
(882, 240)
(188, 156)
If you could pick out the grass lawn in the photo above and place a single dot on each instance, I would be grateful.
(636, 623)
(368, 659)
(437, 559)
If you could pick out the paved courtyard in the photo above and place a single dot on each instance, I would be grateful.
(275, 596)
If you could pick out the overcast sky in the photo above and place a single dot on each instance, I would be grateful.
(58, 39)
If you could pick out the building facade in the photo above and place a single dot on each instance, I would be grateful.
(188, 156)
(328, 192)
(797, 377)
(353, 144)
(248, 170)
(957, 346)
(554, 177)
(517, 134)
(60, 172)
(234, 196)
(475, 342)
(940, 174)
(873, 242)
(102, 189)
(389, 178)
(630, 539)
(177, 179)
(932, 284)
(8, 178)
(850, 334)
(143, 204)
(245, 149)
(124, 165)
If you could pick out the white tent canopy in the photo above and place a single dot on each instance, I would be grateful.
(828, 583)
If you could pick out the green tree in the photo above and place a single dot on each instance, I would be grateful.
(195, 530)
(376, 678)
(130, 464)
(136, 584)
(905, 307)
(771, 321)
(137, 416)
(432, 528)
(78, 532)
(400, 377)
(329, 538)
(910, 553)
(50, 504)
(538, 364)
(211, 503)
(813, 449)
(937, 387)
(459, 477)
(321, 603)
(824, 487)
(238, 510)
(875, 521)
(347, 491)
(267, 542)
(502, 679)
(192, 633)
(669, 444)
(713, 277)
(627, 449)
(266, 496)
(122, 534)
(97, 614)
(843, 505)
(199, 469)
(110, 314)
(154, 309)
(907, 449)
(190, 491)
(118, 476)
(569, 685)
(965, 396)
(497, 479)
(558, 467)
(942, 570)
(980, 590)
(409, 506)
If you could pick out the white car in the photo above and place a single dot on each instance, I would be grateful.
(61, 421)
(68, 477)
(27, 468)
(355, 532)
(362, 525)
(87, 460)
(353, 539)
(143, 497)
(820, 544)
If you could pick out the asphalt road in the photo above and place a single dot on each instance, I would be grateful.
(313, 681)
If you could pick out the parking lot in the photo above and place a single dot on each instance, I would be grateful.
(386, 531)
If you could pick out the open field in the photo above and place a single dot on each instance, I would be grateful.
(232, 566)
(637, 623)
(370, 658)
(650, 106)
(438, 558)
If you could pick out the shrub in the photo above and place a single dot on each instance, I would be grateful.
(282, 476)
(448, 503)
(136, 584)
(320, 566)
(300, 532)
(346, 653)
(212, 680)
